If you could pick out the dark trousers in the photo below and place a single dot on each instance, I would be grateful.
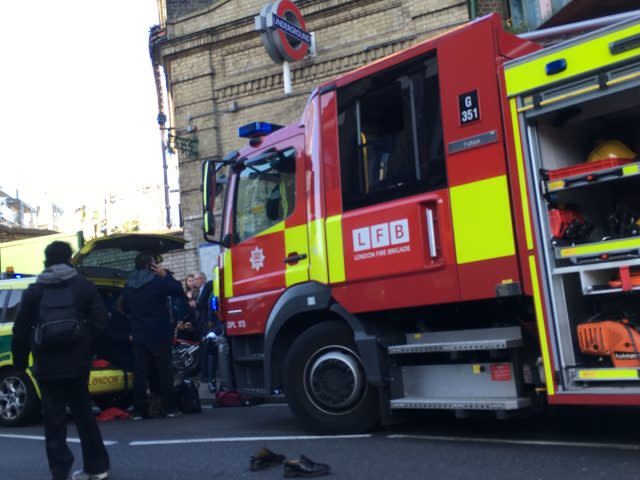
(152, 366)
(56, 395)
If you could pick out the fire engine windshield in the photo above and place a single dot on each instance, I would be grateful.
(265, 194)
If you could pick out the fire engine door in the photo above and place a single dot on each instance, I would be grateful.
(270, 245)
(396, 225)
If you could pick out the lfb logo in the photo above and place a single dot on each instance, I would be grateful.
(381, 235)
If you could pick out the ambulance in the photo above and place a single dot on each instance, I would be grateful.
(106, 261)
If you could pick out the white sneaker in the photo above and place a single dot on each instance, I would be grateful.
(81, 475)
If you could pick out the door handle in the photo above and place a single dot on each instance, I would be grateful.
(295, 257)
(431, 233)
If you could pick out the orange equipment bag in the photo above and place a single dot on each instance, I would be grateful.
(616, 339)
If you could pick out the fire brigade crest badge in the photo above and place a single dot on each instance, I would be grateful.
(257, 259)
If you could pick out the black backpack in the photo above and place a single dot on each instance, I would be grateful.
(59, 327)
(188, 397)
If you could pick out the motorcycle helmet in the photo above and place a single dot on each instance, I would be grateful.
(611, 150)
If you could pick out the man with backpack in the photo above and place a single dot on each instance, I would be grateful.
(60, 318)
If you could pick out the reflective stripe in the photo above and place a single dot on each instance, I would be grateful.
(318, 270)
(482, 225)
(542, 329)
(521, 176)
(228, 274)
(335, 249)
(608, 374)
(278, 227)
(556, 185)
(581, 58)
(216, 281)
(630, 170)
(602, 247)
(574, 93)
(295, 241)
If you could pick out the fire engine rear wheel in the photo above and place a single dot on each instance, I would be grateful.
(325, 382)
(19, 402)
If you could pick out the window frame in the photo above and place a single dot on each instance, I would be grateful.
(426, 172)
(5, 309)
(247, 163)
(4, 300)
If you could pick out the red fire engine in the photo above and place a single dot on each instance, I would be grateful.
(450, 227)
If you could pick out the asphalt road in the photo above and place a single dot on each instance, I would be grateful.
(572, 444)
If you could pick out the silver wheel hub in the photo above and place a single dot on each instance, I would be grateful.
(13, 395)
(336, 380)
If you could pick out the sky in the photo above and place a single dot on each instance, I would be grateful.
(78, 104)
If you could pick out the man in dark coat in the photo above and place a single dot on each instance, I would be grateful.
(145, 300)
(203, 297)
(63, 374)
(203, 318)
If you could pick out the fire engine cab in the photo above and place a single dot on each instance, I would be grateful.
(455, 226)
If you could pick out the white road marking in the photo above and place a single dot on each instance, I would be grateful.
(544, 443)
(246, 439)
(259, 405)
(40, 437)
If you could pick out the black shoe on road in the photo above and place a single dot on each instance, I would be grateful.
(305, 467)
(265, 458)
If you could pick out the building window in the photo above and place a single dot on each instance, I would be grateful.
(390, 134)
(265, 193)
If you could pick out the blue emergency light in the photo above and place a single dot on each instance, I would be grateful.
(556, 66)
(257, 129)
(214, 303)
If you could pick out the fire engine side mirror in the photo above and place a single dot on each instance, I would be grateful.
(284, 161)
(209, 190)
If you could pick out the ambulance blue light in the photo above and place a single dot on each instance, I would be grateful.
(257, 129)
(214, 303)
(556, 66)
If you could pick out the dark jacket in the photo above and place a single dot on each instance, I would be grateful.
(145, 299)
(52, 365)
(203, 306)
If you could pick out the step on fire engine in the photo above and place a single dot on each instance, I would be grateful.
(452, 227)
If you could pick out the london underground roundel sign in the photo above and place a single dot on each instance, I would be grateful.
(283, 31)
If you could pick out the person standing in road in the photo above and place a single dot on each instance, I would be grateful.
(145, 299)
(61, 317)
(202, 306)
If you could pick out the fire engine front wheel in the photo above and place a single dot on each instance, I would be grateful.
(325, 382)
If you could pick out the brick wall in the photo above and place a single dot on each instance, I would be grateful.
(178, 8)
(487, 6)
(220, 77)
(9, 234)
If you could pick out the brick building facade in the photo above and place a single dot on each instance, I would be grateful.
(220, 77)
(488, 6)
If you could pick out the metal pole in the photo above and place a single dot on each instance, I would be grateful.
(167, 205)
(549, 33)
(286, 77)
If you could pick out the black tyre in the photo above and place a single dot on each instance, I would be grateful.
(19, 402)
(325, 382)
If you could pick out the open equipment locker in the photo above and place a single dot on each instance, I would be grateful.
(563, 99)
